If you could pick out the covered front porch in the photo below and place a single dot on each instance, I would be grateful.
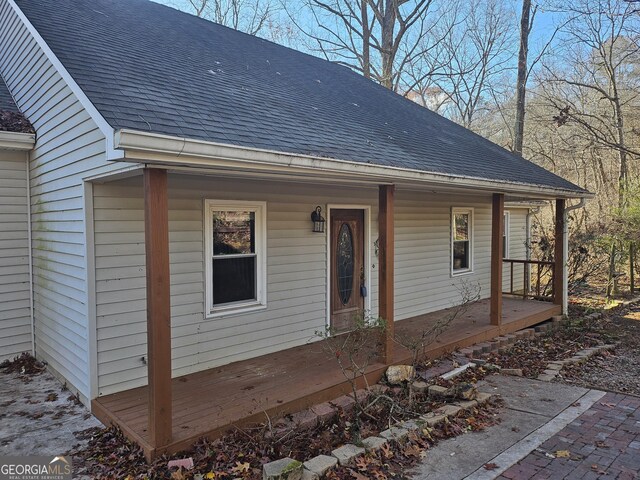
(414, 244)
(210, 402)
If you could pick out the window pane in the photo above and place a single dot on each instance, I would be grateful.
(234, 279)
(344, 261)
(460, 255)
(461, 227)
(233, 232)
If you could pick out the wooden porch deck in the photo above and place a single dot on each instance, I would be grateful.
(208, 403)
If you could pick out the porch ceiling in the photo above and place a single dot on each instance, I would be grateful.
(134, 174)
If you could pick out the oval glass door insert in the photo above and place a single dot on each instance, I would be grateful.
(345, 263)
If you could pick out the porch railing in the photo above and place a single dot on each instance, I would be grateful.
(536, 282)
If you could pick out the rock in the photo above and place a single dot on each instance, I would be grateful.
(492, 367)
(283, 469)
(345, 402)
(409, 425)
(305, 420)
(397, 374)
(516, 372)
(449, 410)
(346, 453)
(324, 411)
(320, 465)
(394, 433)
(309, 475)
(465, 391)
(468, 404)
(546, 378)
(483, 397)
(436, 391)
(379, 389)
(420, 386)
(373, 443)
(361, 395)
(431, 419)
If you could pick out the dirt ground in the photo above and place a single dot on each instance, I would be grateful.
(618, 370)
(38, 416)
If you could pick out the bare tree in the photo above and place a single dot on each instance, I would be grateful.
(249, 16)
(475, 57)
(526, 23)
(594, 85)
(378, 38)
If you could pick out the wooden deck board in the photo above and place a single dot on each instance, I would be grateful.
(209, 402)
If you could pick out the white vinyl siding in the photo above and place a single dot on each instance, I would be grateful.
(296, 274)
(296, 269)
(423, 280)
(15, 313)
(69, 147)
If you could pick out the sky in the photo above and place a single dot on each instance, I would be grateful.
(543, 27)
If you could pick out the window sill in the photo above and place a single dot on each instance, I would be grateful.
(460, 273)
(230, 311)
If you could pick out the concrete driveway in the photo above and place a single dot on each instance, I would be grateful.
(535, 412)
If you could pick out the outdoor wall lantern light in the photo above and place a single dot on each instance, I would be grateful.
(318, 220)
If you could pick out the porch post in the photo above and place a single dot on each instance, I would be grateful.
(497, 225)
(385, 267)
(559, 254)
(156, 236)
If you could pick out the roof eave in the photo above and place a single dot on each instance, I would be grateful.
(153, 148)
(17, 141)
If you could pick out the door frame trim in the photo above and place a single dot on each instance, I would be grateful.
(367, 253)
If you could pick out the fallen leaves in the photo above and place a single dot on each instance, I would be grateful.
(490, 466)
(563, 454)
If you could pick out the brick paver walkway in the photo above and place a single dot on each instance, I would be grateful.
(604, 442)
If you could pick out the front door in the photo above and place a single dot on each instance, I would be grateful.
(347, 268)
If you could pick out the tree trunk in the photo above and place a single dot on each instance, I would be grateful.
(388, 53)
(612, 283)
(366, 40)
(521, 85)
(632, 269)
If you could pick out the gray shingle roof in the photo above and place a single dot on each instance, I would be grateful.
(6, 101)
(11, 119)
(151, 68)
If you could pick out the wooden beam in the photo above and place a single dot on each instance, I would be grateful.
(558, 268)
(386, 247)
(156, 237)
(497, 255)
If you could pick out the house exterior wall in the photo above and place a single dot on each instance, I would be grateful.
(69, 147)
(296, 269)
(15, 312)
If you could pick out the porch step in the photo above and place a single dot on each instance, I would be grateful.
(504, 341)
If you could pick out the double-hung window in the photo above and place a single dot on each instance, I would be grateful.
(461, 240)
(235, 245)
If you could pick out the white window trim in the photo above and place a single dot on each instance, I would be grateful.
(260, 209)
(468, 210)
(507, 234)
